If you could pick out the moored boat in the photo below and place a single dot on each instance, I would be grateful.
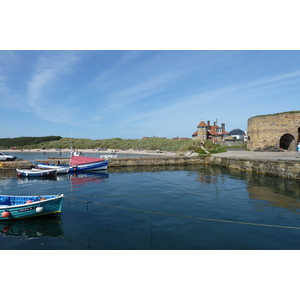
(19, 207)
(61, 169)
(82, 163)
(36, 172)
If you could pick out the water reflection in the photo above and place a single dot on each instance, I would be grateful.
(263, 190)
(166, 207)
(81, 179)
(31, 179)
(32, 228)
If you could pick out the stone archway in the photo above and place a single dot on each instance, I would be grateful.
(285, 141)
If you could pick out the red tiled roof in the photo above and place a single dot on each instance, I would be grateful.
(213, 131)
(202, 123)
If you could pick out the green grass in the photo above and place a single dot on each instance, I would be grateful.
(208, 145)
(118, 143)
(276, 114)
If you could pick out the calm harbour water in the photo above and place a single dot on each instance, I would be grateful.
(160, 208)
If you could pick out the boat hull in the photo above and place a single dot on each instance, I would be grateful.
(36, 173)
(52, 205)
(96, 166)
(59, 169)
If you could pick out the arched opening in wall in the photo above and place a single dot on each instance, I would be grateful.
(285, 141)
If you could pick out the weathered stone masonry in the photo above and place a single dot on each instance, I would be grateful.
(280, 130)
(280, 168)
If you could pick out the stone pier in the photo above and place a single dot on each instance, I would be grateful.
(282, 164)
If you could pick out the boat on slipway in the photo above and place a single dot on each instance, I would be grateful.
(19, 207)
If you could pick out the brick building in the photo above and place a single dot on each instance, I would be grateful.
(210, 132)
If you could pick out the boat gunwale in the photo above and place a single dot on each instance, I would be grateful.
(7, 207)
(33, 169)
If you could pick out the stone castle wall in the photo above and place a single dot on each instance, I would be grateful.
(279, 130)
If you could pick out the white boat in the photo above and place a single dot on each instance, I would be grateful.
(36, 172)
(60, 169)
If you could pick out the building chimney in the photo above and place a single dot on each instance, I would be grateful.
(208, 125)
(223, 126)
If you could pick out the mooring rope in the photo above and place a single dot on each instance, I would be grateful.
(182, 216)
(159, 195)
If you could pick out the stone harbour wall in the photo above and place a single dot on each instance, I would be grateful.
(156, 161)
(280, 168)
(26, 164)
(116, 162)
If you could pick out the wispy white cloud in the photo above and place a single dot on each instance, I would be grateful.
(188, 110)
(143, 92)
(8, 98)
(48, 79)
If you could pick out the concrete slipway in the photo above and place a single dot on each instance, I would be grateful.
(251, 155)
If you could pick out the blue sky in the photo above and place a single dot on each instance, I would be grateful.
(131, 94)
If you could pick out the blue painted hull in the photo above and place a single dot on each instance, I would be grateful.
(17, 207)
(89, 167)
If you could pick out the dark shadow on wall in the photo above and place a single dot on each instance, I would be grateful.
(286, 141)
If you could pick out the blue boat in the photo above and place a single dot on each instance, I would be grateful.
(102, 165)
(19, 207)
(82, 163)
(78, 163)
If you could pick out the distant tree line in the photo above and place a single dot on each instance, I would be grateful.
(25, 141)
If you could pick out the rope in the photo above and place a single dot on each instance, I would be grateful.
(188, 217)
(158, 195)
